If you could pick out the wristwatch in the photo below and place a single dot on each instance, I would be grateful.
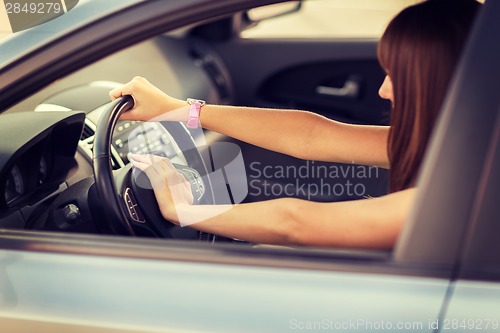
(194, 112)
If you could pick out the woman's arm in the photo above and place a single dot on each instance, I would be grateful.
(368, 223)
(300, 134)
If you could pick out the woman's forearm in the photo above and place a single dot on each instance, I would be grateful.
(266, 222)
(283, 131)
(370, 223)
(300, 134)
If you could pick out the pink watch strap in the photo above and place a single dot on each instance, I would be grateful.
(194, 114)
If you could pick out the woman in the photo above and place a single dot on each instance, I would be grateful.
(419, 51)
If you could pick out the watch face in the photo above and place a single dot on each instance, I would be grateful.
(194, 100)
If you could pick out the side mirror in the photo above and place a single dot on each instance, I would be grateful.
(258, 14)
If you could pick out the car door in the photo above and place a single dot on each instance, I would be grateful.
(106, 284)
(474, 296)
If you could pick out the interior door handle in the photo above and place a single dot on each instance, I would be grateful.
(349, 90)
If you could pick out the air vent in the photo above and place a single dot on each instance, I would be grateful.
(87, 132)
(86, 144)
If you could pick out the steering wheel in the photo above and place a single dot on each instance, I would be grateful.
(131, 208)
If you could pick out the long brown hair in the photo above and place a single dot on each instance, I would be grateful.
(419, 51)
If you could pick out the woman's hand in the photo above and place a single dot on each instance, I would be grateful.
(150, 103)
(172, 190)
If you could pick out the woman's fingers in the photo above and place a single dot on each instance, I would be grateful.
(123, 91)
(153, 160)
(158, 169)
(140, 165)
(118, 92)
(115, 93)
(171, 188)
(135, 89)
(147, 159)
(150, 102)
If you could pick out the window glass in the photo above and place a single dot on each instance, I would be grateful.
(331, 19)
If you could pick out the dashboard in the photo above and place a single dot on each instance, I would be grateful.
(36, 154)
(39, 150)
(26, 176)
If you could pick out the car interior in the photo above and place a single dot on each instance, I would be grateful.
(209, 61)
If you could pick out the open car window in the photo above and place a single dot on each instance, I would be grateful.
(195, 63)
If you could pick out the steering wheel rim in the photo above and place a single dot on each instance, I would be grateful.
(103, 174)
(107, 183)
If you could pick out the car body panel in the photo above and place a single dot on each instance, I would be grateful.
(206, 297)
(474, 306)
